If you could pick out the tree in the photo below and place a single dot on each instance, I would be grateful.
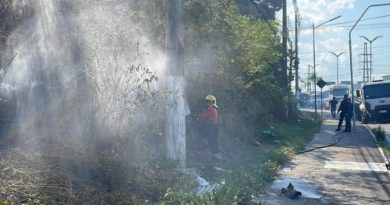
(233, 56)
(260, 9)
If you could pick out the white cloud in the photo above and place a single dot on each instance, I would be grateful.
(327, 38)
(330, 38)
(321, 10)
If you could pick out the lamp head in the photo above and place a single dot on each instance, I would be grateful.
(372, 39)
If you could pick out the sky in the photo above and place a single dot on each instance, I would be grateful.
(334, 37)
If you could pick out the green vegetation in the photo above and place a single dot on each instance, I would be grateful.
(380, 136)
(253, 166)
(228, 53)
(235, 58)
(4, 203)
(33, 202)
(379, 133)
(42, 202)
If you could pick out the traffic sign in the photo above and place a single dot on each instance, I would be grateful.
(321, 83)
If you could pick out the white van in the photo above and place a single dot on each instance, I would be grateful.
(303, 100)
(338, 91)
(374, 101)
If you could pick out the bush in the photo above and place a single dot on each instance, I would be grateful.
(379, 133)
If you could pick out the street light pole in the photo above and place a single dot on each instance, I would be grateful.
(350, 53)
(337, 56)
(314, 61)
(308, 87)
(314, 72)
(371, 41)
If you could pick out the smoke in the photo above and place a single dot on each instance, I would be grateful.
(90, 50)
(84, 78)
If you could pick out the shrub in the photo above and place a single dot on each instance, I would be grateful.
(379, 133)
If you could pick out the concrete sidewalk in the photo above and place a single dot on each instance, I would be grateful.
(350, 172)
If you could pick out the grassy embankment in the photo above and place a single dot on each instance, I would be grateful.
(380, 136)
(252, 166)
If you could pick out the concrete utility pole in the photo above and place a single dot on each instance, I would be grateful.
(296, 62)
(290, 67)
(284, 57)
(365, 65)
(371, 41)
(175, 127)
(337, 56)
(309, 80)
(174, 37)
(314, 72)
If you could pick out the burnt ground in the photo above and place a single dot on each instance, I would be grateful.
(38, 169)
(69, 172)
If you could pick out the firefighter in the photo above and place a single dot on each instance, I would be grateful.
(348, 114)
(333, 103)
(209, 124)
(342, 110)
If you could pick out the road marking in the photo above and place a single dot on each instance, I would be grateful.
(386, 160)
(287, 169)
(360, 166)
(330, 132)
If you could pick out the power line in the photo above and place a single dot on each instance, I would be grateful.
(383, 57)
(357, 27)
(381, 49)
(373, 24)
(323, 51)
(345, 22)
(360, 25)
(380, 65)
(364, 28)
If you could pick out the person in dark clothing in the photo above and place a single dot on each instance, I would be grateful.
(209, 124)
(333, 103)
(343, 110)
(348, 114)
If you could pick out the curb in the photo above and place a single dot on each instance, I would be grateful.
(379, 148)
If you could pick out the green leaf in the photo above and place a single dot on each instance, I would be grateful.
(4, 203)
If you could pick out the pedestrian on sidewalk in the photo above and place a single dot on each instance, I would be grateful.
(342, 110)
(333, 103)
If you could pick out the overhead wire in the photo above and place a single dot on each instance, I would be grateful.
(366, 19)
(344, 26)
(321, 51)
(345, 22)
(360, 25)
